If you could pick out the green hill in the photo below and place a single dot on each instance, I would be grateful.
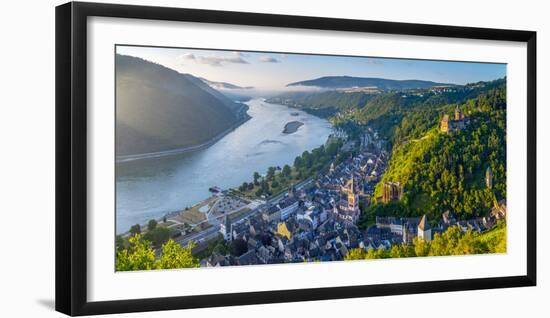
(446, 171)
(159, 109)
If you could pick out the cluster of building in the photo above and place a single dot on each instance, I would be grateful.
(394, 230)
(317, 222)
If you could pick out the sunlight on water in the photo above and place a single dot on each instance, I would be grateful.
(149, 188)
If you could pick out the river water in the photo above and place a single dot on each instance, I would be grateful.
(149, 188)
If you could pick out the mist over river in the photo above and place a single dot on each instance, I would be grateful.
(150, 188)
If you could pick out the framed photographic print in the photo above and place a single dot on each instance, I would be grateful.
(208, 158)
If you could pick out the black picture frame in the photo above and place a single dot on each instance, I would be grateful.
(71, 157)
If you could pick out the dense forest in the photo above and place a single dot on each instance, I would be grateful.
(443, 171)
(400, 115)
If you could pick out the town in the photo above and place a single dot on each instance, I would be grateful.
(316, 220)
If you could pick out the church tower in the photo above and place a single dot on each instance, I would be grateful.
(353, 198)
(424, 229)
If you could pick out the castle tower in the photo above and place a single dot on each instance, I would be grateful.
(489, 178)
(424, 229)
(331, 167)
(458, 114)
(444, 126)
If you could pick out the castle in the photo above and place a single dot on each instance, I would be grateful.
(449, 125)
(393, 191)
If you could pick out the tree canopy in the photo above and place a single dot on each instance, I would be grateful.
(450, 242)
(140, 255)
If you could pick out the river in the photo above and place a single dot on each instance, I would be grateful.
(149, 188)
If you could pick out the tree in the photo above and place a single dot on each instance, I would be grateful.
(176, 256)
(138, 256)
(355, 254)
(135, 229)
(298, 162)
(152, 224)
(286, 170)
(270, 173)
(157, 236)
(238, 247)
(119, 242)
(221, 248)
(256, 178)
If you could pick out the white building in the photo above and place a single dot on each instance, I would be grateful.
(288, 207)
(424, 229)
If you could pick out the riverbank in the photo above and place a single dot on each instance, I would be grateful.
(148, 189)
(178, 151)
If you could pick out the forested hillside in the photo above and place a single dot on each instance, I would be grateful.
(401, 115)
(323, 104)
(159, 109)
(446, 171)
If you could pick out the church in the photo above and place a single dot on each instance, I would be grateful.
(349, 208)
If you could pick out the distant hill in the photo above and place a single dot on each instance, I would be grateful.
(159, 109)
(323, 103)
(337, 82)
(223, 85)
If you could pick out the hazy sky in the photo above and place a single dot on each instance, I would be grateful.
(275, 70)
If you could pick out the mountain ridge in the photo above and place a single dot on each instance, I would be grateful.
(342, 82)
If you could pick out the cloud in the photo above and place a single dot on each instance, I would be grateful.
(215, 60)
(268, 59)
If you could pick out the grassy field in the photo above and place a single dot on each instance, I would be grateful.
(193, 215)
